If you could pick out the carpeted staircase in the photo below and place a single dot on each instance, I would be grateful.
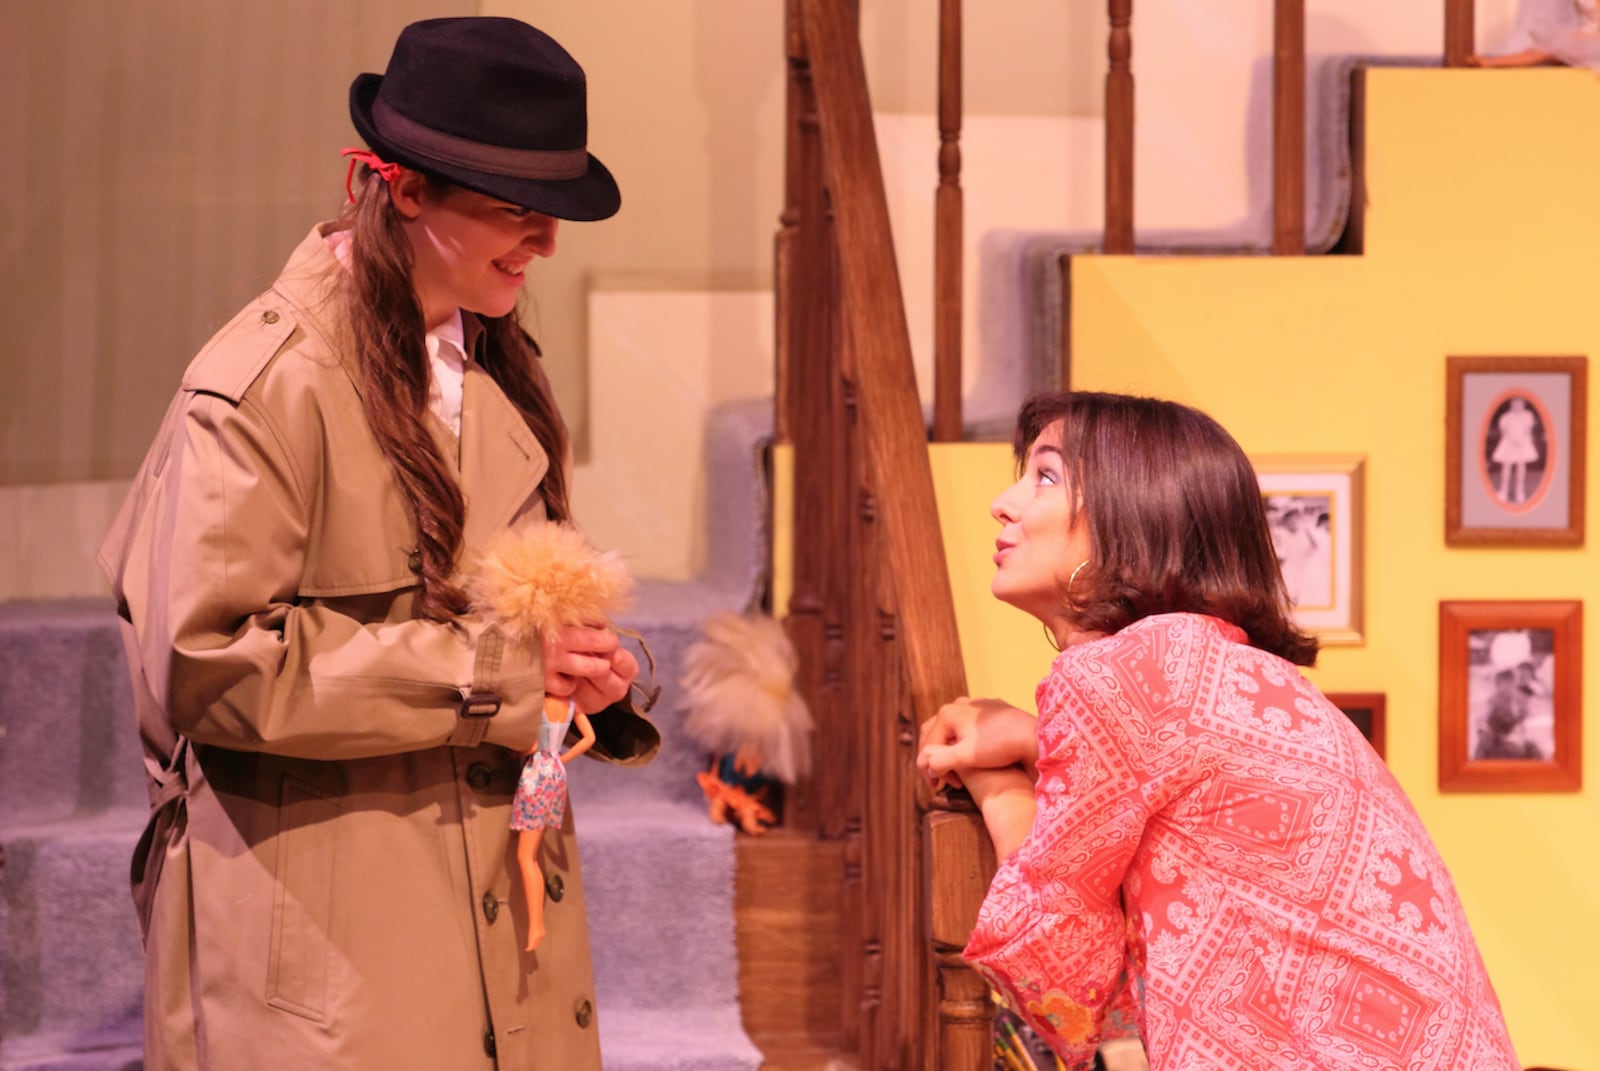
(658, 876)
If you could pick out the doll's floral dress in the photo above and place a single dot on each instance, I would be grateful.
(541, 799)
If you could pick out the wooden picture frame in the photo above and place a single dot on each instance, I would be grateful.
(1316, 508)
(1368, 710)
(1511, 696)
(1515, 431)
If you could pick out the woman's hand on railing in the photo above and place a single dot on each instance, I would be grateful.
(1005, 799)
(981, 733)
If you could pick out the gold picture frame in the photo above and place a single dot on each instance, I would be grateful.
(1316, 509)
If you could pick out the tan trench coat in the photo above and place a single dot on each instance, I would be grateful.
(328, 879)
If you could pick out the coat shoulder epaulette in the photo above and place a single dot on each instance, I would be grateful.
(236, 355)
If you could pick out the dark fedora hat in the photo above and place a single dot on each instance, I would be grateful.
(491, 104)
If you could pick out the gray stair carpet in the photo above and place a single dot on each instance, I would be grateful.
(658, 875)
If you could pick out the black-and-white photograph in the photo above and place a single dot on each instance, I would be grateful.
(1314, 513)
(1510, 694)
(1302, 536)
(1516, 452)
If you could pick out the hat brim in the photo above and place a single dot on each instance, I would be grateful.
(591, 196)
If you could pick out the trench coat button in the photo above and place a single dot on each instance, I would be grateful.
(414, 561)
(583, 1013)
(491, 907)
(270, 316)
(478, 776)
(488, 1042)
(555, 888)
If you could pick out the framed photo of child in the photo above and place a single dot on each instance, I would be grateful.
(1315, 511)
(1514, 451)
(1510, 694)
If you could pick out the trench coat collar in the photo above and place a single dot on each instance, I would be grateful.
(497, 462)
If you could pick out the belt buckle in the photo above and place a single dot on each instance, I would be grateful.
(479, 705)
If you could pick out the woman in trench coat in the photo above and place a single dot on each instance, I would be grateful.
(332, 735)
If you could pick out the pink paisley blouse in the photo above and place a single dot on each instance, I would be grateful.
(1222, 865)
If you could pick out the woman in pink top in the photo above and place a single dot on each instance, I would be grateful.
(1197, 847)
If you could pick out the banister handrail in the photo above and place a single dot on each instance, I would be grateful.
(875, 319)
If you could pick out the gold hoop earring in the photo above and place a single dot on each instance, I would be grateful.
(1051, 636)
(1074, 576)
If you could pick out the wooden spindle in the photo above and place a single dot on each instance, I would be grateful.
(947, 237)
(1459, 32)
(1119, 129)
(1289, 128)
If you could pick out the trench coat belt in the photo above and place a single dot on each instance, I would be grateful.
(171, 783)
(472, 716)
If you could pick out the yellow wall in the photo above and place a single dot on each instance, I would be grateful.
(1482, 239)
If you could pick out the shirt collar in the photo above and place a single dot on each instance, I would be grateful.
(453, 332)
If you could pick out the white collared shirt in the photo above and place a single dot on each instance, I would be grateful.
(447, 361)
(447, 351)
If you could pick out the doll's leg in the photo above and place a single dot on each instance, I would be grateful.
(532, 884)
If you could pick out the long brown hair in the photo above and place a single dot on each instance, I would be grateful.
(1175, 516)
(388, 332)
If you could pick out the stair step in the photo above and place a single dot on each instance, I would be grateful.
(710, 1039)
(788, 918)
(804, 1054)
(658, 879)
(111, 1050)
(68, 743)
(70, 956)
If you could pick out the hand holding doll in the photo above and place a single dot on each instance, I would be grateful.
(546, 585)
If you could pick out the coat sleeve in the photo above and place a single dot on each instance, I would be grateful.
(208, 578)
(1052, 935)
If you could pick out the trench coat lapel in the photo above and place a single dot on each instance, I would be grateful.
(501, 461)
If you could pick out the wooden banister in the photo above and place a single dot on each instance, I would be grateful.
(871, 612)
(1289, 128)
(1459, 32)
(1119, 129)
(948, 221)
(875, 321)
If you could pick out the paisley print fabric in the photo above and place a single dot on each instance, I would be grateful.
(1221, 864)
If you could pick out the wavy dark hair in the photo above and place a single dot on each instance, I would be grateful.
(1175, 517)
(389, 334)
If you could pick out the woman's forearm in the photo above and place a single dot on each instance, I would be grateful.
(1005, 798)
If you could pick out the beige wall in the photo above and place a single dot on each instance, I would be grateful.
(168, 155)
(686, 109)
